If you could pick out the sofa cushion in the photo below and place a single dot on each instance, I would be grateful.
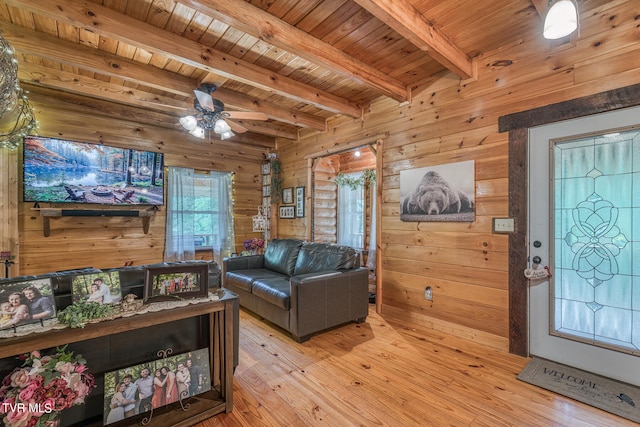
(281, 255)
(276, 291)
(244, 279)
(315, 257)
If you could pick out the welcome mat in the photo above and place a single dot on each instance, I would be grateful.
(604, 393)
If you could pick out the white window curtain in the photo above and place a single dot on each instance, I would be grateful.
(179, 243)
(351, 215)
(183, 214)
(223, 246)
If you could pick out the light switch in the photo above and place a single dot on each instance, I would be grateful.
(503, 225)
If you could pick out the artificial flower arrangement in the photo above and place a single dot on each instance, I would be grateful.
(253, 244)
(34, 394)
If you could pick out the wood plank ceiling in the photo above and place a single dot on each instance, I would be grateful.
(300, 62)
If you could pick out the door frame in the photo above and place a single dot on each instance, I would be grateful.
(518, 124)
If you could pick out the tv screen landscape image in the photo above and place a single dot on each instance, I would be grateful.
(61, 171)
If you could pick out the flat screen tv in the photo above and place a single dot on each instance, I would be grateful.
(61, 171)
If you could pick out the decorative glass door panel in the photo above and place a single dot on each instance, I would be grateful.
(595, 290)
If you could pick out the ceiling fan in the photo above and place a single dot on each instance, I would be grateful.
(212, 116)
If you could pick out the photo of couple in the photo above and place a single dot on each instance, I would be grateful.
(135, 390)
(26, 302)
(103, 288)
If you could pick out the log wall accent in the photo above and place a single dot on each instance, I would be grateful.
(325, 200)
(449, 120)
(105, 242)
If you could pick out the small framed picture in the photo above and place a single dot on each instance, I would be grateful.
(299, 202)
(23, 302)
(169, 283)
(287, 211)
(266, 168)
(101, 287)
(287, 195)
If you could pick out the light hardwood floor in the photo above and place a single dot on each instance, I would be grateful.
(383, 373)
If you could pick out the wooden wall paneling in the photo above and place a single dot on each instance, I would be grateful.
(9, 233)
(296, 176)
(408, 293)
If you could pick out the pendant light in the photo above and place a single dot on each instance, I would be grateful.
(561, 20)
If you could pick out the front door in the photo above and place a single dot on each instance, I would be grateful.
(584, 223)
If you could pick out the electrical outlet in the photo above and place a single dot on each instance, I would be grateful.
(428, 293)
(503, 225)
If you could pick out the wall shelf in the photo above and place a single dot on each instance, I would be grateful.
(48, 213)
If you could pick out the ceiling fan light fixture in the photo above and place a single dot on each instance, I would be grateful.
(221, 127)
(561, 20)
(226, 134)
(198, 132)
(189, 122)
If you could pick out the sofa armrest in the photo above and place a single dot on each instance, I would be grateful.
(328, 298)
(241, 263)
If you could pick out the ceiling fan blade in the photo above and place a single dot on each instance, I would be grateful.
(247, 115)
(237, 128)
(204, 99)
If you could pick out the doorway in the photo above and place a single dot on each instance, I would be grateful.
(584, 207)
(343, 203)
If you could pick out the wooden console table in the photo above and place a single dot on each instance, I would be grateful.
(219, 317)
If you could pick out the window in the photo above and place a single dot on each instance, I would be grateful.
(206, 215)
(351, 215)
(199, 214)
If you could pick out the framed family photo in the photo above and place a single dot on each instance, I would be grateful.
(299, 202)
(287, 212)
(101, 287)
(266, 168)
(24, 302)
(139, 388)
(168, 283)
(287, 195)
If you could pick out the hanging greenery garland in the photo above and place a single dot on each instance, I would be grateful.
(276, 181)
(354, 182)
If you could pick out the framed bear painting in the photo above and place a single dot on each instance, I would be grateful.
(438, 193)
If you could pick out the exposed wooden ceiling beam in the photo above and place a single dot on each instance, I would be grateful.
(46, 46)
(74, 83)
(95, 118)
(272, 110)
(407, 20)
(112, 24)
(268, 128)
(36, 43)
(255, 21)
(38, 75)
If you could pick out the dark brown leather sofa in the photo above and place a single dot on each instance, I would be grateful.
(303, 287)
